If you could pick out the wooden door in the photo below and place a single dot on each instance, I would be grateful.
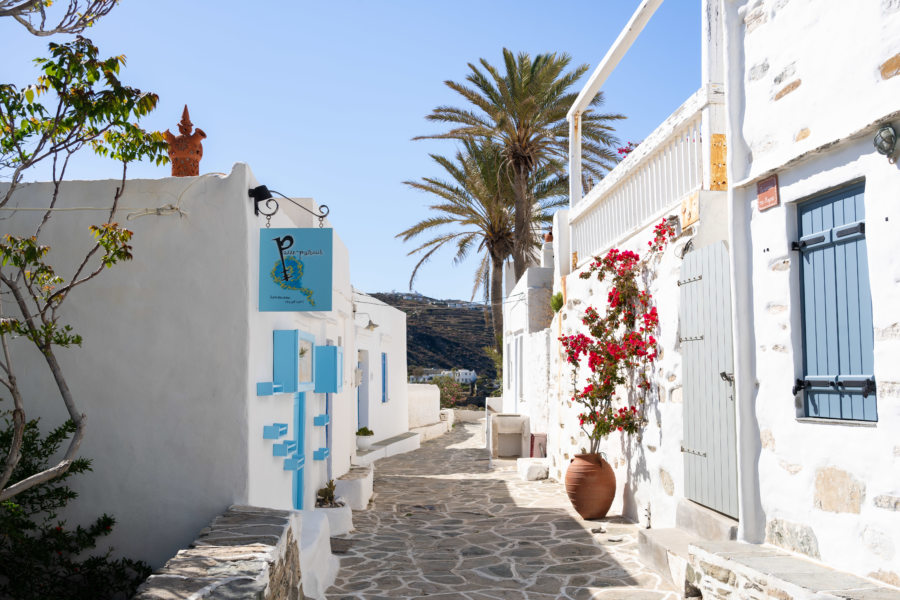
(710, 456)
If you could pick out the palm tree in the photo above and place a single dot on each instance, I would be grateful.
(475, 204)
(523, 111)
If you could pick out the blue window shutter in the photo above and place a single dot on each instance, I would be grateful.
(285, 359)
(329, 368)
(384, 377)
(838, 338)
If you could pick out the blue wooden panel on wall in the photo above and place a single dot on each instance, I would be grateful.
(321, 454)
(321, 420)
(295, 463)
(838, 338)
(274, 431)
(384, 377)
(329, 367)
(285, 359)
(284, 448)
(267, 388)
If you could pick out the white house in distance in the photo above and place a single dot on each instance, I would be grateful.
(198, 392)
(776, 407)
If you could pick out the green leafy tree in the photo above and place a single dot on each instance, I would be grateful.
(474, 211)
(78, 102)
(523, 110)
(40, 556)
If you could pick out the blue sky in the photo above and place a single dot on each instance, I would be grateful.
(322, 99)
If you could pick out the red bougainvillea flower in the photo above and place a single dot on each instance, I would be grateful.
(620, 345)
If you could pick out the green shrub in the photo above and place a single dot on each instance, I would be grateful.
(40, 556)
(556, 301)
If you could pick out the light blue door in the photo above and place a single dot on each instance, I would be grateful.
(705, 335)
(300, 431)
(838, 339)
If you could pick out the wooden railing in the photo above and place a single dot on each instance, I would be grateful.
(648, 184)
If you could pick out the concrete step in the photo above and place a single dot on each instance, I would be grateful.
(666, 551)
(399, 444)
(704, 523)
(356, 486)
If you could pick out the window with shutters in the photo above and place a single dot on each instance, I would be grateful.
(838, 373)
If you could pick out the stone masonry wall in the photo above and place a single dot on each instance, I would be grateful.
(245, 553)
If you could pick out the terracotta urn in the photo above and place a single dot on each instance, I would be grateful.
(548, 237)
(591, 485)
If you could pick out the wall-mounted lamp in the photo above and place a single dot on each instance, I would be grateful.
(371, 325)
(885, 142)
(262, 195)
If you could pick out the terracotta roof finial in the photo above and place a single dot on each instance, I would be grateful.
(185, 150)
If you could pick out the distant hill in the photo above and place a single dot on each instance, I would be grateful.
(444, 334)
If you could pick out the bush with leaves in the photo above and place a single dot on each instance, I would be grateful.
(79, 102)
(41, 556)
(453, 393)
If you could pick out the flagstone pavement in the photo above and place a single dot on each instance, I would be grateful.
(448, 523)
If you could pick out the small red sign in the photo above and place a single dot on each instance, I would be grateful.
(767, 193)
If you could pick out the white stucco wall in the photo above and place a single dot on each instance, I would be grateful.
(816, 136)
(424, 404)
(161, 375)
(174, 347)
(390, 418)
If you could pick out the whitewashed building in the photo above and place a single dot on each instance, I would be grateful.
(777, 389)
(196, 398)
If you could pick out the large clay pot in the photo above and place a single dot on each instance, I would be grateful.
(591, 485)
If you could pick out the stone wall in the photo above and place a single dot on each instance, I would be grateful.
(246, 553)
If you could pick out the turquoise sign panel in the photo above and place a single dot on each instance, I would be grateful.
(295, 269)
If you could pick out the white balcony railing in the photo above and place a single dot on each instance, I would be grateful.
(647, 184)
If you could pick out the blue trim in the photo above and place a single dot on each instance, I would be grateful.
(321, 420)
(300, 457)
(274, 431)
(321, 454)
(384, 377)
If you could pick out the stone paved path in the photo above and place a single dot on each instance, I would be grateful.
(449, 524)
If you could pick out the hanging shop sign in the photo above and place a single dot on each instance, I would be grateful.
(295, 269)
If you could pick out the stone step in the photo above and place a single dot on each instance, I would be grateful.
(705, 523)
(666, 552)
(738, 570)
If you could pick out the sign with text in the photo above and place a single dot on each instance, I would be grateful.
(767, 193)
(295, 269)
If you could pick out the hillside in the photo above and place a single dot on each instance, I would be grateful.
(441, 336)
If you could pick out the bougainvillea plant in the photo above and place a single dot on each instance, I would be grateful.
(620, 347)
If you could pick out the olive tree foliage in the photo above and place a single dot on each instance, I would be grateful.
(44, 17)
(78, 103)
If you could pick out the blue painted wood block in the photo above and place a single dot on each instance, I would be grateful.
(294, 463)
(274, 431)
(285, 359)
(321, 454)
(284, 448)
(329, 368)
(321, 420)
(267, 388)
